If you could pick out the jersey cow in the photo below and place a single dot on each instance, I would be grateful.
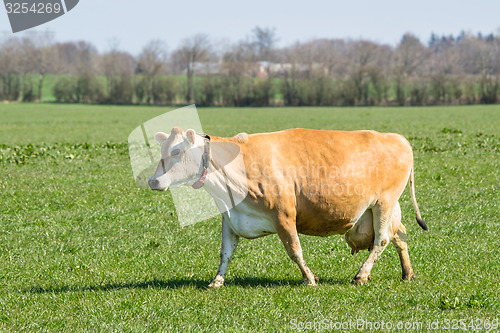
(313, 182)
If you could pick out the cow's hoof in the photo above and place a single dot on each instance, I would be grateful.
(411, 277)
(361, 279)
(310, 284)
(215, 285)
(316, 278)
(217, 282)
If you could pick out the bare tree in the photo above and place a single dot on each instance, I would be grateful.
(264, 41)
(443, 70)
(66, 55)
(367, 65)
(10, 68)
(362, 64)
(237, 72)
(117, 63)
(42, 56)
(118, 67)
(329, 53)
(192, 50)
(409, 55)
(150, 64)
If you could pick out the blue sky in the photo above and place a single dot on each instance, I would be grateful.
(134, 23)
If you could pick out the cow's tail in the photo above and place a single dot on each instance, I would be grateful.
(421, 222)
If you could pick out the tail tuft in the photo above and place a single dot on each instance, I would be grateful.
(421, 223)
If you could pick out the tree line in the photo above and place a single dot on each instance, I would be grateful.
(462, 69)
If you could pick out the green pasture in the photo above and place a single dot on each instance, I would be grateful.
(82, 248)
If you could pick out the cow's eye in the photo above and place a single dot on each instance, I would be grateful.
(175, 152)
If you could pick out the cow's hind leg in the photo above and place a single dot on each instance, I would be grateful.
(382, 227)
(287, 232)
(399, 241)
(229, 244)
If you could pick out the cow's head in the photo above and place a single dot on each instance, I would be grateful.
(181, 159)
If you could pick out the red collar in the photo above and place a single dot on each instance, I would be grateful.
(200, 182)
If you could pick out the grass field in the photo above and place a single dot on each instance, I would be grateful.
(82, 248)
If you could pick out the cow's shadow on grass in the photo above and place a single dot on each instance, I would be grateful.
(178, 283)
(266, 282)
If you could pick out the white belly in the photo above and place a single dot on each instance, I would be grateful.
(249, 222)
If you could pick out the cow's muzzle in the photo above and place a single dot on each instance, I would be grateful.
(154, 183)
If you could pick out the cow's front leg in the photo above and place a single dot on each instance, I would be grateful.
(287, 231)
(229, 244)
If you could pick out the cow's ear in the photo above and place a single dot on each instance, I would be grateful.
(160, 137)
(190, 134)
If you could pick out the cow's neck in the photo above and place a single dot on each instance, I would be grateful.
(226, 181)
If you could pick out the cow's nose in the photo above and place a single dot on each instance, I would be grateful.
(153, 183)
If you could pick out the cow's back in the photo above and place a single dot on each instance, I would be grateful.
(328, 177)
